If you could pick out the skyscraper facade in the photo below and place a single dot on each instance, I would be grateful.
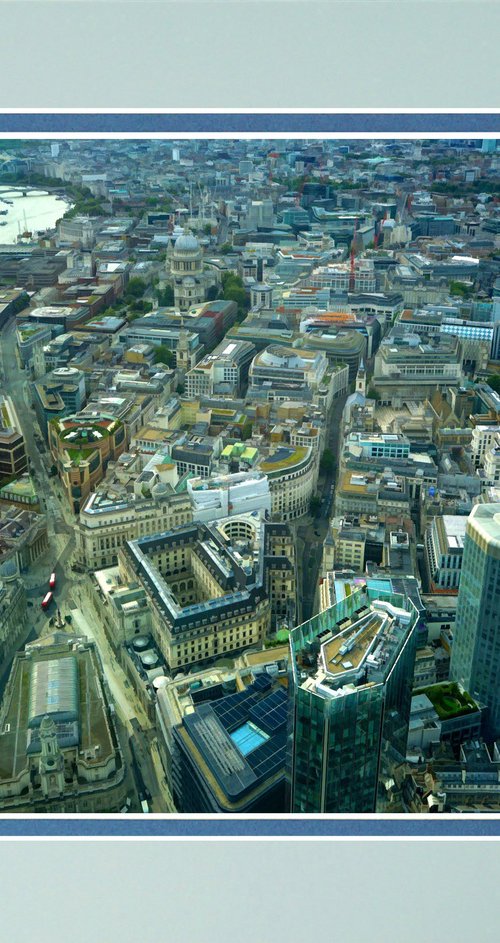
(350, 685)
(475, 658)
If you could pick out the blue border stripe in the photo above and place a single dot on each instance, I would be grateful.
(221, 827)
(259, 123)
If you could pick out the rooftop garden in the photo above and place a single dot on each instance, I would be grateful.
(449, 700)
(77, 455)
(25, 332)
(87, 434)
(272, 464)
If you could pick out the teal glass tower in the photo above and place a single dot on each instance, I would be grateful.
(351, 673)
(475, 655)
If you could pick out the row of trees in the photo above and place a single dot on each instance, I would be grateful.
(234, 290)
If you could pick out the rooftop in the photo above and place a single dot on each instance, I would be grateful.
(449, 700)
(483, 526)
(283, 458)
(239, 741)
(84, 699)
(353, 644)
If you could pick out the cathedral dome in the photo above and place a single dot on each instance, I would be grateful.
(187, 242)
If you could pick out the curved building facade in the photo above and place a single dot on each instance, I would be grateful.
(292, 473)
(81, 447)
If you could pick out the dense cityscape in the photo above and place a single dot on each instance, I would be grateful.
(249, 476)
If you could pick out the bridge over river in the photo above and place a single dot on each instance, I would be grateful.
(6, 191)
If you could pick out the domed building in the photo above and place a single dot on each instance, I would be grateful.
(190, 281)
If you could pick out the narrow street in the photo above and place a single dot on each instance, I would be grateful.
(311, 531)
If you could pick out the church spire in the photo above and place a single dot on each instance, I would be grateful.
(361, 378)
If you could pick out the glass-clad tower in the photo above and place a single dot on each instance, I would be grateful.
(475, 656)
(351, 672)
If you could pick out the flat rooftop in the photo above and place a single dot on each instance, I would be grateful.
(358, 650)
(483, 526)
(347, 650)
(93, 727)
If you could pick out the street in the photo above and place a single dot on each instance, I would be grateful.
(70, 591)
(311, 531)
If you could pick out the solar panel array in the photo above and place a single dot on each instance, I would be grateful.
(234, 709)
(270, 713)
(212, 724)
(270, 757)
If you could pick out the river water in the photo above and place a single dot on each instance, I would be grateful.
(35, 212)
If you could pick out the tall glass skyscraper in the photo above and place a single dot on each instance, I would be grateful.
(475, 656)
(351, 672)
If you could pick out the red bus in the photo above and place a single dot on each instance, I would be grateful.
(52, 581)
(46, 600)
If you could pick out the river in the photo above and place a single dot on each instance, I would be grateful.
(35, 212)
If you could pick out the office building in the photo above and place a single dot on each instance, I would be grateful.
(13, 610)
(81, 446)
(156, 330)
(111, 516)
(408, 363)
(475, 656)
(223, 737)
(351, 670)
(223, 372)
(60, 393)
(229, 495)
(292, 472)
(378, 445)
(206, 587)
(286, 373)
(444, 546)
(13, 458)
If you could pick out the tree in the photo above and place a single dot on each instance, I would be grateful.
(141, 307)
(165, 296)
(136, 287)
(494, 382)
(233, 290)
(246, 431)
(213, 293)
(164, 355)
(315, 505)
(327, 461)
(225, 248)
(459, 290)
(207, 229)
(373, 393)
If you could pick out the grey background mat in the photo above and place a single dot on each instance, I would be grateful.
(249, 53)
